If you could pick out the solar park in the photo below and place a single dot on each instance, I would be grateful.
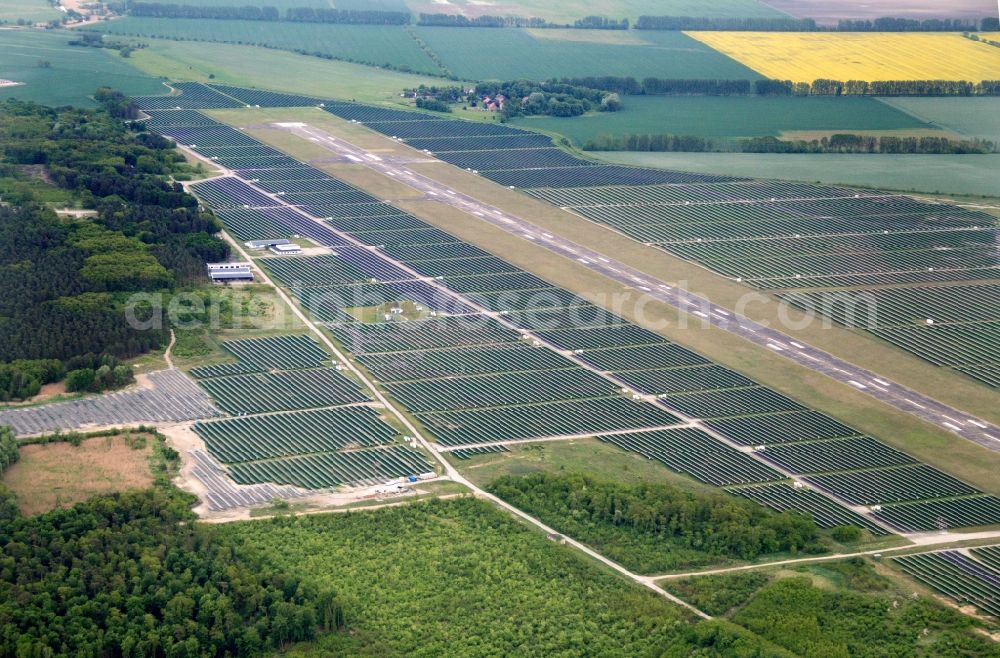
(954, 326)
(296, 421)
(478, 376)
(816, 236)
(968, 577)
(801, 241)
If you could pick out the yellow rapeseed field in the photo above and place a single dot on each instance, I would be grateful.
(807, 56)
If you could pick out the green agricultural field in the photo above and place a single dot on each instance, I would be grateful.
(971, 117)
(477, 54)
(377, 45)
(459, 578)
(728, 116)
(273, 69)
(974, 175)
(32, 11)
(72, 73)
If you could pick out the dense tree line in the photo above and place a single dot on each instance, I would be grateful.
(669, 87)
(8, 448)
(838, 143)
(257, 13)
(170, 10)
(67, 279)
(441, 73)
(654, 528)
(131, 575)
(725, 24)
(988, 42)
(459, 20)
(822, 87)
(347, 16)
(601, 23)
(9, 454)
(778, 24)
(673, 23)
(889, 24)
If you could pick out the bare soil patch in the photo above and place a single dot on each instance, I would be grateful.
(47, 392)
(60, 474)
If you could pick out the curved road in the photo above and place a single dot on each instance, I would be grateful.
(928, 409)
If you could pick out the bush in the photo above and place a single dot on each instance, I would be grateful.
(611, 103)
(79, 381)
(846, 534)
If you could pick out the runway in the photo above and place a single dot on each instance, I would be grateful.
(916, 404)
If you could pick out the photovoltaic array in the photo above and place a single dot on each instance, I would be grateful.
(971, 578)
(500, 355)
(326, 433)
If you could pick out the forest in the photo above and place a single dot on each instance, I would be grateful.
(68, 277)
(655, 528)
(131, 575)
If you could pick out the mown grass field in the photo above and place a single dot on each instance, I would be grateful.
(974, 175)
(273, 69)
(28, 10)
(590, 457)
(971, 117)
(377, 45)
(510, 54)
(807, 56)
(721, 116)
(73, 73)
